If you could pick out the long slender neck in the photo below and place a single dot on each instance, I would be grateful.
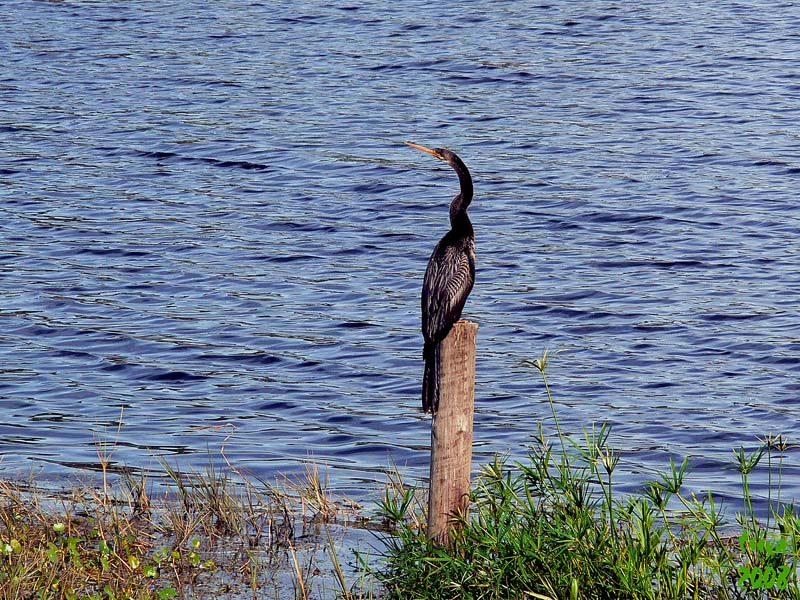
(459, 219)
(459, 205)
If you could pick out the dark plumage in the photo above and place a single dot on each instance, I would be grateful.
(448, 279)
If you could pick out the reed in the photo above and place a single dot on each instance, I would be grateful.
(214, 533)
(553, 527)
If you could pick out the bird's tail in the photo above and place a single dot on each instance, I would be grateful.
(430, 379)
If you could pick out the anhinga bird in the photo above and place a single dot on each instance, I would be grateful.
(448, 279)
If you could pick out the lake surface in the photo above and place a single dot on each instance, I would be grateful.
(211, 229)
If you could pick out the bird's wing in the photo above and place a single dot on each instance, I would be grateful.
(448, 282)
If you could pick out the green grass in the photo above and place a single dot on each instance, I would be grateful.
(554, 527)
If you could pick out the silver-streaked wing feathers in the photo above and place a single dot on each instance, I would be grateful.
(448, 281)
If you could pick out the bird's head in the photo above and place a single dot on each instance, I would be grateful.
(461, 202)
(440, 153)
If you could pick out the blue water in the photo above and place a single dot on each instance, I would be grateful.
(211, 230)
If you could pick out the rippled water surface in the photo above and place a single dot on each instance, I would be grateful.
(207, 218)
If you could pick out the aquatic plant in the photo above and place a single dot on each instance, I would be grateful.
(212, 533)
(553, 527)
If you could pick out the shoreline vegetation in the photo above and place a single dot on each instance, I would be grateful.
(551, 527)
(215, 534)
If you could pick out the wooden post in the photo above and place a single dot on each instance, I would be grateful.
(451, 431)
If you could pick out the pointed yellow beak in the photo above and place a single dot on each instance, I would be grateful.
(424, 149)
